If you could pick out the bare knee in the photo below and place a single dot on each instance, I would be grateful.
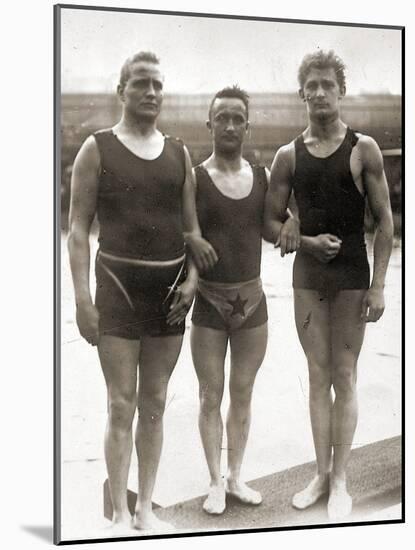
(320, 377)
(210, 398)
(344, 379)
(121, 411)
(240, 396)
(151, 407)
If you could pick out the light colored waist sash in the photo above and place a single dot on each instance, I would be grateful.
(235, 302)
(138, 261)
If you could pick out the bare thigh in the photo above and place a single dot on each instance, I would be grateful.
(208, 352)
(312, 319)
(157, 359)
(119, 359)
(347, 328)
(248, 347)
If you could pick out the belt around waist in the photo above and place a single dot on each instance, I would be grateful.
(139, 261)
(213, 285)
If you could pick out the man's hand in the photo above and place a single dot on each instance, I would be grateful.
(324, 247)
(203, 253)
(289, 238)
(373, 305)
(181, 303)
(87, 318)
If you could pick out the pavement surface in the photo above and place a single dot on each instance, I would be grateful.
(374, 484)
(280, 438)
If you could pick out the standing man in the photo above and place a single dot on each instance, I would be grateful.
(139, 183)
(332, 170)
(230, 306)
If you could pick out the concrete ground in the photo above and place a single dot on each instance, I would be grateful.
(280, 436)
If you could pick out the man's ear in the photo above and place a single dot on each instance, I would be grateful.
(301, 94)
(120, 92)
(209, 125)
(342, 92)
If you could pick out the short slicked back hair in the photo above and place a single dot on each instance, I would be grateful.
(322, 60)
(231, 92)
(148, 57)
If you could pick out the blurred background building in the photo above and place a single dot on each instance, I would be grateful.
(276, 118)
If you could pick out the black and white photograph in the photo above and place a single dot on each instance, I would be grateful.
(229, 240)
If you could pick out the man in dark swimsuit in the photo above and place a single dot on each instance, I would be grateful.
(331, 170)
(230, 306)
(139, 182)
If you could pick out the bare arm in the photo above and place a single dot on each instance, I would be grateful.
(378, 195)
(285, 232)
(190, 221)
(84, 188)
(280, 227)
(203, 253)
(183, 296)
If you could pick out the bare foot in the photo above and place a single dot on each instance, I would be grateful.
(241, 491)
(120, 525)
(150, 522)
(318, 486)
(215, 502)
(340, 502)
(122, 519)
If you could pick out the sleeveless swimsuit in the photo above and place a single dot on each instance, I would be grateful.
(141, 246)
(230, 295)
(329, 202)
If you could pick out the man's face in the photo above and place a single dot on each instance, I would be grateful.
(322, 93)
(142, 94)
(228, 123)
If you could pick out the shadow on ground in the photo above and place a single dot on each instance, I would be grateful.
(375, 476)
(44, 532)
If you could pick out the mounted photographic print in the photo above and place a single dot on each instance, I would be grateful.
(228, 274)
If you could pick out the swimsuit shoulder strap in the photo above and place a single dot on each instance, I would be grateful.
(352, 136)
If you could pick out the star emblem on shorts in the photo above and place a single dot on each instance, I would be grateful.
(238, 306)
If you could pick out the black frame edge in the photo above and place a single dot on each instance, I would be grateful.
(229, 16)
(57, 277)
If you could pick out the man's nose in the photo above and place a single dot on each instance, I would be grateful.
(230, 125)
(320, 91)
(150, 89)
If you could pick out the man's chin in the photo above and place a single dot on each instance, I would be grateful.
(323, 115)
(147, 116)
(230, 147)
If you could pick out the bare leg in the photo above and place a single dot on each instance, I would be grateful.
(312, 317)
(208, 351)
(347, 337)
(119, 359)
(247, 353)
(158, 357)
